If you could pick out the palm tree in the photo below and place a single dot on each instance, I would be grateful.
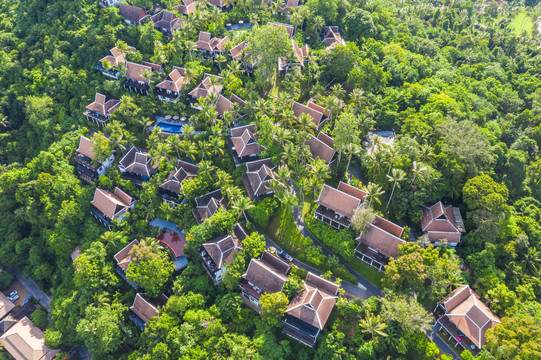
(351, 149)
(242, 204)
(375, 165)
(373, 192)
(112, 237)
(417, 168)
(531, 260)
(220, 59)
(216, 146)
(306, 123)
(373, 325)
(319, 172)
(318, 24)
(392, 155)
(152, 245)
(397, 175)
(426, 153)
(190, 46)
(223, 179)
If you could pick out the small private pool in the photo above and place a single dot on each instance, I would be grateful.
(169, 126)
(239, 28)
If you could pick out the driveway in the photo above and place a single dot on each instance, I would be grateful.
(356, 291)
(32, 288)
(371, 289)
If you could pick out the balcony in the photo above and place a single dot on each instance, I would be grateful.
(331, 218)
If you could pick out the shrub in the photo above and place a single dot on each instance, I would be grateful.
(5, 279)
(39, 318)
(263, 210)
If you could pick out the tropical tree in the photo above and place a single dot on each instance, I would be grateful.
(417, 169)
(373, 325)
(373, 192)
(397, 175)
(242, 204)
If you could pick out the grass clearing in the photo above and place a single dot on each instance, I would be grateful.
(522, 22)
(367, 271)
(283, 230)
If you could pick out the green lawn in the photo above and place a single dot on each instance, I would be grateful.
(283, 230)
(367, 271)
(240, 31)
(522, 22)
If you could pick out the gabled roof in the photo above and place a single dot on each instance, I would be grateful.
(137, 72)
(276, 263)
(244, 140)
(111, 205)
(332, 36)
(234, 98)
(321, 147)
(222, 249)
(204, 88)
(85, 147)
(5, 305)
(315, 111)
(259, 174)
(104, 105)
(186, 8)
(208, 43)
(314, 303)
(470, 315)
(138, 162)
(240, 54)
(262, 274)
(289, 4)
(300, 53)
(133, 14)
(289, 28)
(166, 20)
(123, 257)
(223, 105)
(345, 200)
(25, 341)
(145, 308)
(219, 3)
(439, 219)
(117, 56)
(184, 170)
(208, 204)
(174, 80)
(382, 236)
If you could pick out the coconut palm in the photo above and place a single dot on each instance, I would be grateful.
(392, 155)
(531, 261)
(375, 164)
(190, 46)
(216, 146)
(397, 175)
(306, 123)
(373, 325)
(373, 192)
(319, 171)
(242, 204)
(417, 168)
(350, 150)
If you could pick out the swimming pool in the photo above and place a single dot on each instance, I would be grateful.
(170, 128)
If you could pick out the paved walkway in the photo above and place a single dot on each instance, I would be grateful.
(359, 291)
(371, 289)
(32, 288)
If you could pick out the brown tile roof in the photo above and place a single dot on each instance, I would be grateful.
(320, 149)
(453, 237)
(138, 162)
(145, 308)
(339, 201)
(236, 52)
(379, 239)
(155, 67)
(259, 174)
(287, 27)
(329, 141)
(208, 43)
(223, 105)
(117, 56)
(313, 304)
(208, 204)
(289, 5)
(167, 21)
(104, 105)
(123, 257)
(439, 218)
(264, 277)
(300, 53)
(5, 305)
(244, 140)
(112, 205)
(276, 263)
(322, 284)
(175, 80)
(184, 170)
(85, 147)
(222, 249)
(234, 98)
(470, 315)
(133, 14)
(332, 36)
(388, 226)
(315, 114)
(219, 44)
(25, 341)
(186, 8)
(137, 72)
(204, 88)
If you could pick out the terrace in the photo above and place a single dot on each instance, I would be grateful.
(330, 217)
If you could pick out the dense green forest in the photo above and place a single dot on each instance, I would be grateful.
(458, 81)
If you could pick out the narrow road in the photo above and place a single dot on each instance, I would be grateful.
(351, 289)
(441, 344)
(371, 289)
(32, 288)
